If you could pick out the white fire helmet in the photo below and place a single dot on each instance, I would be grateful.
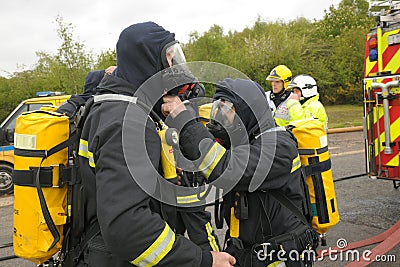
(305, 83)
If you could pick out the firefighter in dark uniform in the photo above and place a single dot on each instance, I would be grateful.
(261, 223)
(121, 223)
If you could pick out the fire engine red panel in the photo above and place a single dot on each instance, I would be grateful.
(366, 56)
(388, 55)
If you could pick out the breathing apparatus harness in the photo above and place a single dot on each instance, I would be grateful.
(76, 240)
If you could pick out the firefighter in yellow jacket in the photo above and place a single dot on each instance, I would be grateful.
(278, 97)
(304, 100)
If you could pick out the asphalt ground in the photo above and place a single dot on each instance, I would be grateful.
(367, 207)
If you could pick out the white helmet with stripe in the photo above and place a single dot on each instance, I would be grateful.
(305, 83)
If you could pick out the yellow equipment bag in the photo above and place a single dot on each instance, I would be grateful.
(314, 155)
(41, 145)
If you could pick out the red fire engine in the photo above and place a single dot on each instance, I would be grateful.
(382, 91)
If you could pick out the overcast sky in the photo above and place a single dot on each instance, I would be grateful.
(29, 26)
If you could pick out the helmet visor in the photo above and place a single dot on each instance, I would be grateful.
(223, 112)
(273, 78)
(291, 86)
(172, 54)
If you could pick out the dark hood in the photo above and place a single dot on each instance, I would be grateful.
(114, 85)
(250, 103)
(139, 51)
(92, 79)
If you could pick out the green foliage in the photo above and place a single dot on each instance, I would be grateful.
(73, 57)
(105, 59)
(211, 46)
(331, 49)
(350, 14)
(342, 32)
(65, 71)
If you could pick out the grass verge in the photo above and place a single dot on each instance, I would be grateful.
(340, 116)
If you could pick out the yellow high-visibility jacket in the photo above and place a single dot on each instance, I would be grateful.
(312, 108)
(287, 111)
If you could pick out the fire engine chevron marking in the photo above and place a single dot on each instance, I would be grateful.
(394, 161)
(380, 111)
(392, 54)
(370, 67)
(389, 58)
(394, 134)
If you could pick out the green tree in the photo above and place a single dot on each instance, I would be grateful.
(105, 59)
(337, 51)
(72, 56)
(211, 46)
(65, 71)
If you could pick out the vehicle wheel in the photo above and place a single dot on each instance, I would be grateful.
(6, 184)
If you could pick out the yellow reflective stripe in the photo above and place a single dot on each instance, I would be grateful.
(380, 111)
(381, 48)
(189, 198)
(157, 251)
(211, 159)
(393, 162)
(84, 152)
(277, 264)
(211, 238)
(369, 66)
(296, 164)
(394, 134)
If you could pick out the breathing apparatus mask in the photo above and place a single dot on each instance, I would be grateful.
(177, 75)
(172, 54)
(225, 125)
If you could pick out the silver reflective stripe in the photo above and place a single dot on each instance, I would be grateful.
(156, 251)
(111, 97)
(275, 129)
(25, 141)
(282, 112)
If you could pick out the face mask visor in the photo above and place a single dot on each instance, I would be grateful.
(223, 112)
(172, 54)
